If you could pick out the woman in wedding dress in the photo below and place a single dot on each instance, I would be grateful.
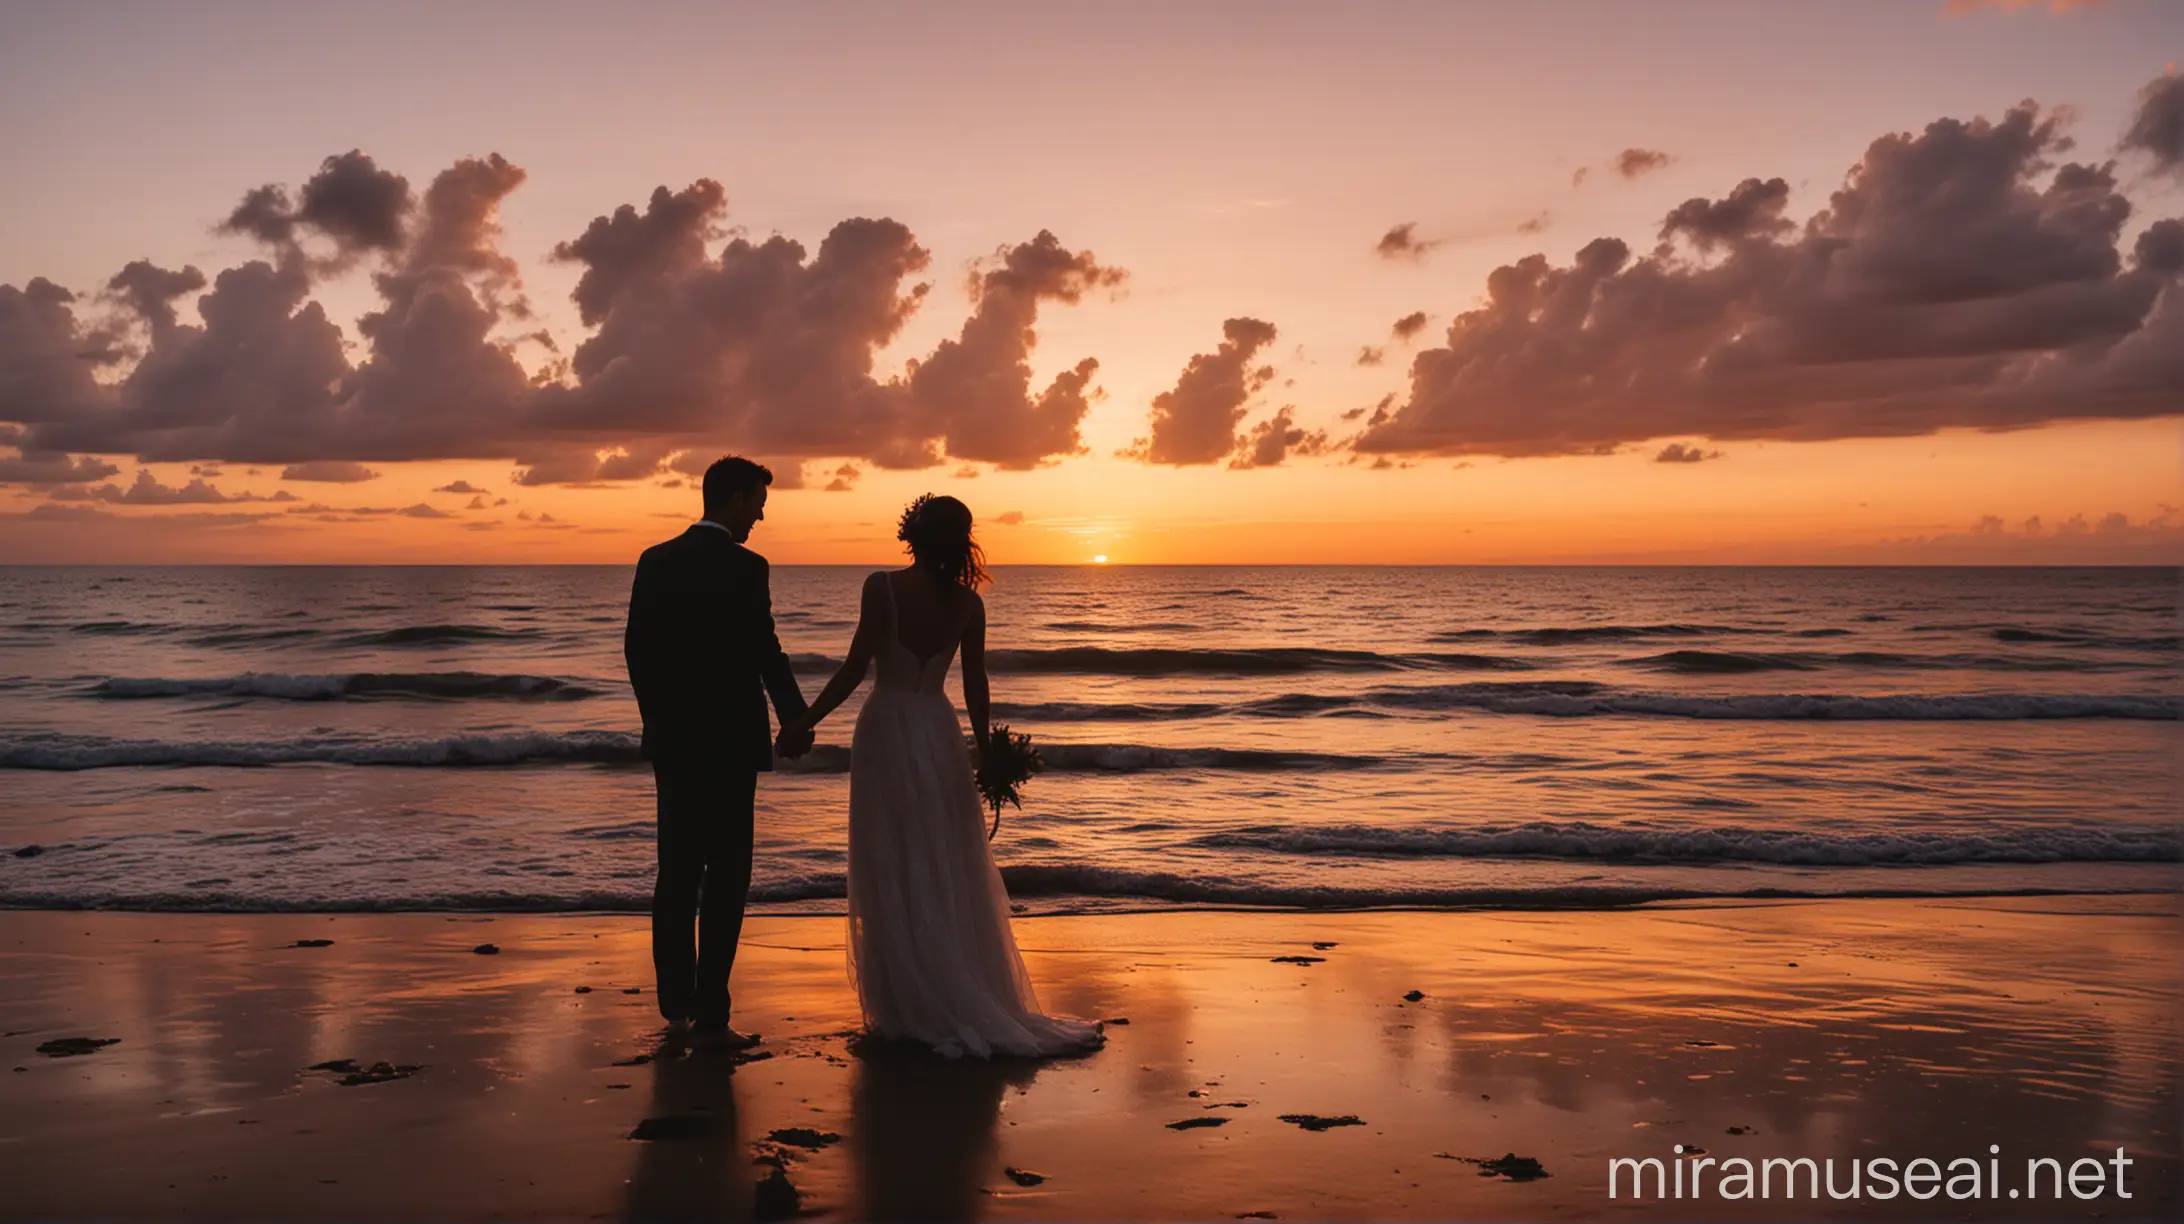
(930, 949)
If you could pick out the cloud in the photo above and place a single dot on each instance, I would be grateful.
(1962, 276)
(1195, 422)
(2157, 126)
(2110, 539)
(1370, 356)
(33, 467)
(966, 472)
(1637, 163)
(423, 511)
(330, 471)
(1409, 325)
(1402, 242)
(845, 478)
(460, 486)
(688, 345)
(350, 201)
(1010, 518)
(1536, 222)
(1677, 452)
(477, 503)
(147, 491)
(1275, 439)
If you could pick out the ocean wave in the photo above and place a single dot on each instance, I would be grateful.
(440, 635)
(1098, 660)
(1042, 888)
(277, 687)
(1581, 698)
(1589, 842)
(1717, 663)
(54, 751)
(1575, 634)
(59, 752)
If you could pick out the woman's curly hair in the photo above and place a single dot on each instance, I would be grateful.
(938, 532)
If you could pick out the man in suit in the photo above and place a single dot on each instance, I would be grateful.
(703, 659)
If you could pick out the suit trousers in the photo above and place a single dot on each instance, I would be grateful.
(704, 879)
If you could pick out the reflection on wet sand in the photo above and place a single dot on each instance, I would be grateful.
(690, 1162)
(922, 1131)
(2044, 1026)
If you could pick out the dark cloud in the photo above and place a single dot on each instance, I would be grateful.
(1010, 518)
(2157, 126)
(1535, 223)
(476, 503)
(1370, 356)
(146, 490)
(350, 201)
(460, 486)
(1637, 163)
(1677, 452)
(150, 292)
(1959, 277)
(330, 471)
(1410, 325)
(966, 472)
(1751, 210)
(35, 467)
(1196, 421)
(1402, 242)
(1277, 438)
(757, 348)
(845, 478)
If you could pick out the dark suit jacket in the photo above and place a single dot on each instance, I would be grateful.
(702, 653)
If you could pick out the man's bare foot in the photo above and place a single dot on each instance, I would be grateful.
(718, 1031)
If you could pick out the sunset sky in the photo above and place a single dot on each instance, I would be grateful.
(1892, 281)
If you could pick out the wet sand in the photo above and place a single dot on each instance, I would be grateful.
(2047, 1026)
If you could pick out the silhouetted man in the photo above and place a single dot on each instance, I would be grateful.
(703, 659)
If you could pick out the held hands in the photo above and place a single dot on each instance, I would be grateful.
(795, 739)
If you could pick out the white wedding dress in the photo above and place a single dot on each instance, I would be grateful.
(930, 948)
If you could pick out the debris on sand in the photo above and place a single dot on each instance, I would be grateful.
(635, 1061)
(1297, 960)
(1414, 996)
(776, 1198)
(1023, 1177)
(1230, 1105)
(1690, 1149)
(1316, 1122)
(632, 990)
(353, 1074)
(1509, 1167)
(487, 949)
(1195, 1123)
(1257, 1215)
(1701, 1044)
(312, 943)
(30, 851)
(583, 990)
(804, 1137)
(675, 1127)
(69, 1047)
(1323, 945)
(1116, 1020)
(1743, 1130)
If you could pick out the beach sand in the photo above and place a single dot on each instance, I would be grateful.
(1893, 1028)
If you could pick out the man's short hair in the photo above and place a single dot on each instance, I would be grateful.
(732, 476)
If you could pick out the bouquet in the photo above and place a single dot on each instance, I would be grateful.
(1010, 761)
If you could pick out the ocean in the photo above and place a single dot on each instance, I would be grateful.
(463, 738)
